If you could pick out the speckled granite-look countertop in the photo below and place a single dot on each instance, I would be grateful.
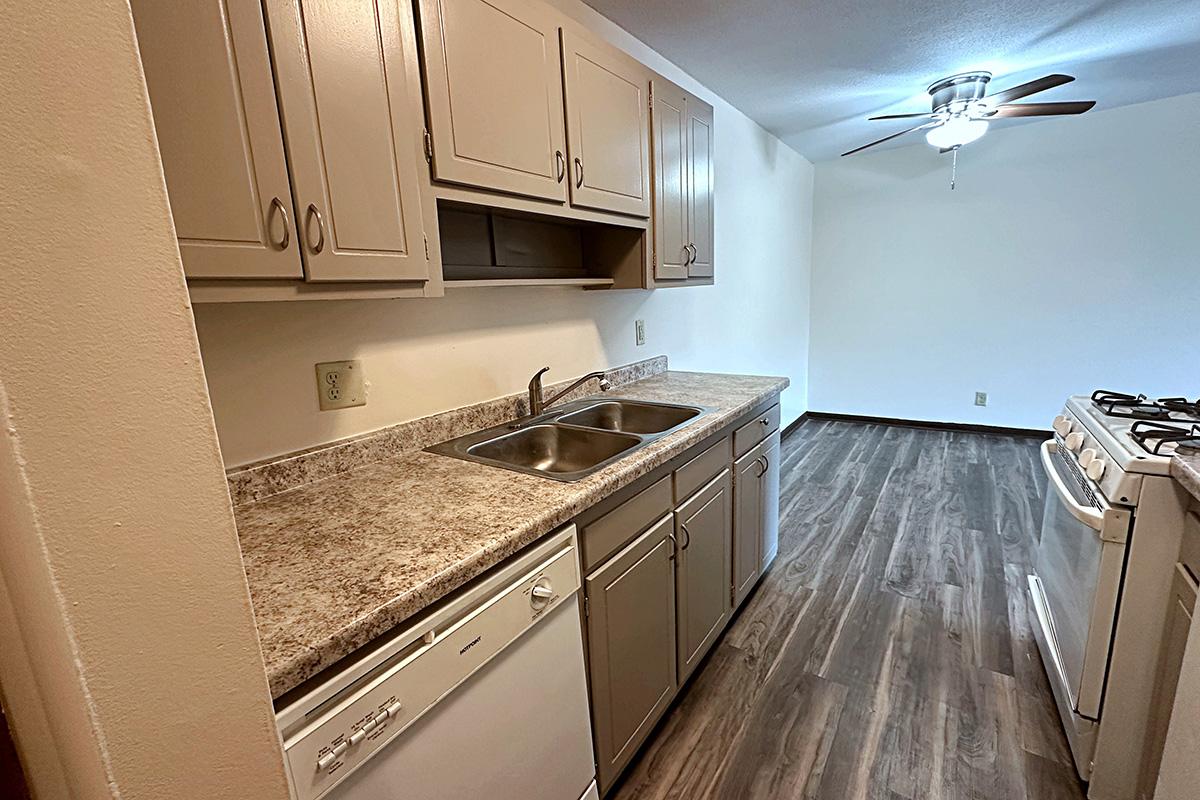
(335, 564)
(1186, 470)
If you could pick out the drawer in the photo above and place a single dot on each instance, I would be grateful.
(755, 431)
(1189, 548)
(701, 469)
(609, 533)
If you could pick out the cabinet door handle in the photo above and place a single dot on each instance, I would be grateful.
(766, 465)
(687, 536)
(578, 173)
(313, 211)
(762, 462)
(692, 260)
(674, 546)
(562, 165)
(277, 205)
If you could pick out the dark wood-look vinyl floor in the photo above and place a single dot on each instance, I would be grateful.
(887, 652)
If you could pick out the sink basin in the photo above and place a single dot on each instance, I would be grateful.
(554, 449)
(572, 441)
(631, 416)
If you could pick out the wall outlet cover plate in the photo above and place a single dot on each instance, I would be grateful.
(341, 384)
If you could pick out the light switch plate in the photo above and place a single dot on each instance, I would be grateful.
(340, 384)
(639, 332)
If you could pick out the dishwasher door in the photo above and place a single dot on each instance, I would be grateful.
(486, 697)
(516, 730)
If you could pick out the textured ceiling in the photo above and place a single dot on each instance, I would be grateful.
(812, 71)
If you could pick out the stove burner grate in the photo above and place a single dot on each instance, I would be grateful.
(1153, 436)
(1181, 405)
(1128, 406)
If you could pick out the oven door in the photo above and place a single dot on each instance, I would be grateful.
(1079, 565)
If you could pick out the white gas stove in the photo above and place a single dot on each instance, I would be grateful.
(1102, 571)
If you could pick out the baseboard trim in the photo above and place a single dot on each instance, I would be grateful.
(791, 426)
(995, 430)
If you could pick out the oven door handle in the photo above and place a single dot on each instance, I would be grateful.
(1091, 517)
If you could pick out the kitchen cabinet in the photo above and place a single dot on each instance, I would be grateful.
(343, 201)
(631, 644)
(700, 186)
(208, 72)
(703, 530)
(756, 505)
(349, 87)
(682, 126)
(493, 81)
(670, 167)
(1176, 627)
(608, 127)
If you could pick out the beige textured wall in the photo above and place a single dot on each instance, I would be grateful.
(425, 356)
(130, 655)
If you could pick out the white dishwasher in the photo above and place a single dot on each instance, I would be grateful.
(484, 697)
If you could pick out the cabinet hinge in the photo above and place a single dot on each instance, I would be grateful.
(732, 593)
(428, 146)
(425, 236)
(650, 95)
(587, 606)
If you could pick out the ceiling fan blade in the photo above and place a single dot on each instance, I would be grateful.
(1026, 89)
(901, 116)
(888, 138)
(1042, 109)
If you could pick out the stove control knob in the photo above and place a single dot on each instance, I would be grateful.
(1095, 470)
(541, 594)
(1062, 425)
(1087, 457)
(1074, 441)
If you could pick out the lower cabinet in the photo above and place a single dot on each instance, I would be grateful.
(755, 515)
(703, 530)
(631, 644)
(665, 570)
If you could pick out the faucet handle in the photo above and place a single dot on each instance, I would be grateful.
(605, 385)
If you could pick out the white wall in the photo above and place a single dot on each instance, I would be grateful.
(128, 654)
(425, 356)
(1067, 260)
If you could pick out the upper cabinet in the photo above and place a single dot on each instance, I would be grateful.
(700, 186)
(682, 125)
(345, 203)
(313, 142)
(494, 92)
(350, 91)
(209, 75)
(498, 75)
(608, 127)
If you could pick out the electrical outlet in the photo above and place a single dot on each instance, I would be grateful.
(341, 384)
(981, 398)
(639, 332)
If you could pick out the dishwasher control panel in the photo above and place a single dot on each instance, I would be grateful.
(339, 733)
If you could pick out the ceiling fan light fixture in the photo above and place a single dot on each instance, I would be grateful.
(955, 132)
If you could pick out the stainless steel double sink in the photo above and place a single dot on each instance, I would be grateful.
(575, 439)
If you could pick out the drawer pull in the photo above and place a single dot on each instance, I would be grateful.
(687, 536)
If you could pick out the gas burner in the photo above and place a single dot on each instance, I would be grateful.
(1181, 405)
(1153, 436)
(1128, 406)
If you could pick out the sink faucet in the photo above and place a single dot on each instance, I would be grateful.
(536, 402)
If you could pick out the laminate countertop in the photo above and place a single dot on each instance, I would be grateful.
(335, 564)
(1186, 470)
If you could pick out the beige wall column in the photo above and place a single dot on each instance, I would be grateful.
(130, 661)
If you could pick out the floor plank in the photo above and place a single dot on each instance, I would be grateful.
(887, 653)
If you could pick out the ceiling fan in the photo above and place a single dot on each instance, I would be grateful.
(962, 109)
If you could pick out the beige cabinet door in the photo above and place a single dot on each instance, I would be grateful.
(748, 473)
(669, 121)
(631, 645)
(769, 483)
(350, 90)
(608, 127)
(704, 531)
(209, 76)
(700, 186)
(493, 81)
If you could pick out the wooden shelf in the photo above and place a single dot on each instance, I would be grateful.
(480, 283)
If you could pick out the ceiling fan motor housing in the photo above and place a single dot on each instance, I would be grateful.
(957, 92)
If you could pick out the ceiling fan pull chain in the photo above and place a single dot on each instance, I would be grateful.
(953, 168)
